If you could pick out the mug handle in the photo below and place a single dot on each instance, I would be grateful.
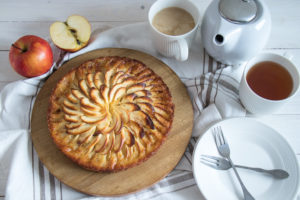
(183, 48)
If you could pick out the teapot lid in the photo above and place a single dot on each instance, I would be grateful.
(238, 11)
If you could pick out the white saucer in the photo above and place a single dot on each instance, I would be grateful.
(253, 144)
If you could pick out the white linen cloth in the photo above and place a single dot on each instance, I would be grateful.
(213, 89)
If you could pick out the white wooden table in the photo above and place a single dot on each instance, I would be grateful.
(18, 18)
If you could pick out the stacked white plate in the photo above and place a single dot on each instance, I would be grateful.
(252, 144)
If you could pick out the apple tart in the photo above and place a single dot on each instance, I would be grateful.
(110, 113)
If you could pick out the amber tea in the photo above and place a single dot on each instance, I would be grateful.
(270, 80)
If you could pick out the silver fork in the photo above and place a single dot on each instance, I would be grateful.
(224, 150)
(223, 164)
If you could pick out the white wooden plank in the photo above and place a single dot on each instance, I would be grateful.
(15, 30)
(113, 10)
(29, 20)
(285, 23)
(7, 74)
(288, 126)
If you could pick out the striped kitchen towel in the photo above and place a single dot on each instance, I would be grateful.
(213, 89)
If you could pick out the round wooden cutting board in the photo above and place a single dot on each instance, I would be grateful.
(130, 180)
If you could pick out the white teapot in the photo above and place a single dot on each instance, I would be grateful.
(233, 31)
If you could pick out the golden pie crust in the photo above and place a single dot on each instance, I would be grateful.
(110, 113)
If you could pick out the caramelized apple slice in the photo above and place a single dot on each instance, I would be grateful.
(96, 96)
(119, 94)
(86, 103)
(86, 136)
(71, 118)
(115, 77)
(107, 76)
(114, 89)
(73, 125)
(119, 142)
(77, 94)
(90, 81)
(98, 79)
(79, 130)
(101, 143)
(109, 144)
(69, 104)
(92, 120)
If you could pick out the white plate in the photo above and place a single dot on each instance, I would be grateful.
(254, 144)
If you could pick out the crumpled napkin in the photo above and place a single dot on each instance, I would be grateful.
(213, 89)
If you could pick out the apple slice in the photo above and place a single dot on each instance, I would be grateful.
(71, 35)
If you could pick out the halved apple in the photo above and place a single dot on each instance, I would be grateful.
(71, 35)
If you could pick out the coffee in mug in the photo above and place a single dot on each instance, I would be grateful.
(173, 27)
(173, 21)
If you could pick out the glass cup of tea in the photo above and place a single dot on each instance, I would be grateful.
(173, 25)
(269, 81)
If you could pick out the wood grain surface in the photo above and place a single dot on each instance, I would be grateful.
(130, 180)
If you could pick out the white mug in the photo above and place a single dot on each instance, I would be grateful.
(253, 102)
(169, 45)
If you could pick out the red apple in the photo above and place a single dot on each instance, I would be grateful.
(31, 56)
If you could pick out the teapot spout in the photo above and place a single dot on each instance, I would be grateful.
(227, 35)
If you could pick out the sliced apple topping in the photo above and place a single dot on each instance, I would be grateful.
(88, 112)
(69, 111)
(136, 87)
(140, 146)
(129, 107)
(108, 146)
(113, 113)
(70, 118)
(101, 143)
(84, 88)
(114, 89)
(86, 136)
(90, 81)
(92, 120)
(69, 104)
(86, 103)
(163, 112)
(129, 138)
(73, 125)
(104, 90)
(144, 73)
(98, 79)
(112, 121)
(129, 97)
(116, 76)
(143, 99)
(135, 128)
(122, 77)
(119, 94)
(146, 107)
(79, 130)
(72, 98)
(142, 118)
(77, 93)
(71, 35)
(119, 142)
(96, 96)
(143, 93)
